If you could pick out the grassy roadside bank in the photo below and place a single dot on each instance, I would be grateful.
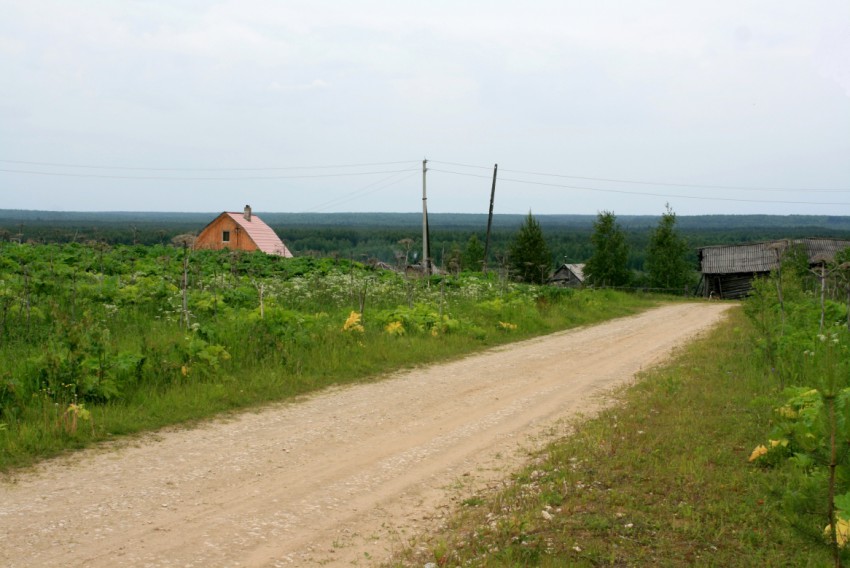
(660, 479)
(327, 356)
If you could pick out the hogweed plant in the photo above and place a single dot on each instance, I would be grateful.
(76, 411)
(352, 324)
(812, 433)
(394, 328)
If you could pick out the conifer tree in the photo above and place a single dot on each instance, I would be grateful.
(667, 255)
(473, 254)
(529, 254)
(608, 264)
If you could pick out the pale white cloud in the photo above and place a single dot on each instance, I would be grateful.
(832, 56)
(312, 85)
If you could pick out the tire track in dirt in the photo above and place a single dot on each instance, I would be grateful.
(341, 478)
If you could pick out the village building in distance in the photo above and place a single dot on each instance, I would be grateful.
(728, 270)
(568, 276)
(241, 231)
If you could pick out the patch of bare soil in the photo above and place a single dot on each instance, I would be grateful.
(345, 477)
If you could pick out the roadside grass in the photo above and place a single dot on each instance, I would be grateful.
(659, 479)
(42, 428)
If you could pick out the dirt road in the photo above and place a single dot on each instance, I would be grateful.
(342, 478)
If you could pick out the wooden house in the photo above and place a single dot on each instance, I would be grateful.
(728, 270)
(568, 276)
(241, 231)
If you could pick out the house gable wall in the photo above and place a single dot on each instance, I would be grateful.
(211, 236)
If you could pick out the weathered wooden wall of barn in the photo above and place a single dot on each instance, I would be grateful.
(565, 279)
(730, 286)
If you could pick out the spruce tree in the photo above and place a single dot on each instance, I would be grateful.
(529, 254)
(608, 264)
(473, 255)
(667, 255)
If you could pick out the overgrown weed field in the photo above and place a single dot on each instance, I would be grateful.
(98, 342)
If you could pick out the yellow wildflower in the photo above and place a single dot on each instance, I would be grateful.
(758, 452)
(78, 410)
(353, 323)
(786, 412)
(782, 442)
(842, 532)
(395, 328)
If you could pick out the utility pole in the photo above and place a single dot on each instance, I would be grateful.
(426, 256)
(490, 219)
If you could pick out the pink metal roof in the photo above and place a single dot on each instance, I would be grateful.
(262, 235)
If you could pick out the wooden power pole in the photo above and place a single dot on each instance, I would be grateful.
(426, 256)
(490, 218)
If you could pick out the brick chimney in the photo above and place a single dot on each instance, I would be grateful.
(247, 214)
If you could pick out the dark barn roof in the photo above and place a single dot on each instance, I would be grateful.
(568, 275)
(730, 259)
(728, 270)
(823, 248)
(763, 257)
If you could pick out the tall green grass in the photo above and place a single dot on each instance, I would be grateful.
(101, 351)
(660, 479)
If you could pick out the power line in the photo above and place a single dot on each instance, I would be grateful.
(461, 165)
(359, 165)
(148, 169)
(660, 183)
(687, 185)
(394, 172)
(197, 178)
(361, 192)
(620, 191)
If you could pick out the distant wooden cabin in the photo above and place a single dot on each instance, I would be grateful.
(728, 270)
(418, 269)
(241, 231)
(568, 276)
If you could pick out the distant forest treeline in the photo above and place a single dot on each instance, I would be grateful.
(364, 236)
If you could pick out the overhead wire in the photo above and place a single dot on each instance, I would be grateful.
(649, 194)
(259, 169)
(411, 171)
(361, 192)
(201, 178)
(356, 165)
(644, 182)
(459, 164)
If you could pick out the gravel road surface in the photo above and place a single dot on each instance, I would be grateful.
(341, 478)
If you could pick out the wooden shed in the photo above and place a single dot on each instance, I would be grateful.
(728, 270)
(568, 276)
(241, 231)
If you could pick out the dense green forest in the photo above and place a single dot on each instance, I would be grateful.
(377, 236)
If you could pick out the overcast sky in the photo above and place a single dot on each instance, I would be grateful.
(289, 105)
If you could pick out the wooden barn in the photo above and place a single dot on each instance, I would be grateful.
(241, 231)
(568, 276)
(728, 270)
